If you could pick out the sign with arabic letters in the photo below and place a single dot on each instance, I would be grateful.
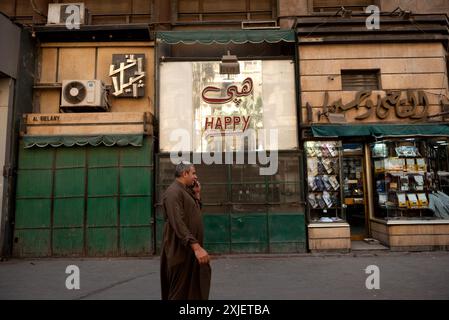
(399, 104)
(232, 93)
(128, 75)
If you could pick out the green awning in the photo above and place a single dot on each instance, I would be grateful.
(226, 36)
(70, 141)
(379, 130)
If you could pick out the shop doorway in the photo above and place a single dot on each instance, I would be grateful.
(355, 193)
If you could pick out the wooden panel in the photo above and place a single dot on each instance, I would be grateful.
(141, 6)
(371, 51)
(76, 64)
(419, 240)
(329, 233)
(48, 65)
(144, 104)
(188, 6)
(49, 101)
(85, 123)
(337, 3)
(97, 44)
(379, 227)
(224, 5)
(85, 130)
(84, 118)
(388, 65)
(7, 7)
(103, 7)
(382, 237)
(436, 229)
(379, 231)
(23, 8)
(260, 5)
(330, 244)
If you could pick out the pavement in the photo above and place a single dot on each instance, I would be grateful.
(402, 275)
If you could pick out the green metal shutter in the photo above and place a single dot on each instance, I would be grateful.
(94, 201)
(271, 220)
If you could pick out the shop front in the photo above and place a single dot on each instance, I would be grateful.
(382, 182)
(374, 128)
(227, 103)
(85, 158)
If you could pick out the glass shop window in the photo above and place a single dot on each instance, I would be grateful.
(411, 178)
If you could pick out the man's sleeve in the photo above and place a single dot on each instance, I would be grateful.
(175, 214)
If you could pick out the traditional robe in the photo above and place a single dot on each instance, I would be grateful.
(182, 277)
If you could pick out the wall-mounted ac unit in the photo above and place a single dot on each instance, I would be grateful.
(62, 13)
(83, 96)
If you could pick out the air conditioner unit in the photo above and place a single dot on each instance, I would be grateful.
(62, 13)
(83, 96)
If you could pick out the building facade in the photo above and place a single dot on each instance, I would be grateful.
(309, 127)
(374, 130)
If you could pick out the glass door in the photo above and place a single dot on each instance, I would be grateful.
(355, 198)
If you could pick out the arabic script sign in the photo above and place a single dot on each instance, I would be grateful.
(414, 106)
(232, 93)
(127, 75)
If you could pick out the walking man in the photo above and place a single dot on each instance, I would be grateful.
(185, 269)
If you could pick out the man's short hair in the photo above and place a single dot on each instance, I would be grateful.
(182, 167)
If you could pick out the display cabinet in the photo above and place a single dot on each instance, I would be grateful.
(403, 179)
(324, 181)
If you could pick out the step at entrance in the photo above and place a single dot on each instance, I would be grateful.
(367, 245)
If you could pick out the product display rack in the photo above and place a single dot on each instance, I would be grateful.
(324, 181)
(403, 182)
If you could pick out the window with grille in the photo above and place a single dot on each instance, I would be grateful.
(213, 10)
(334, 5)
(355, 80)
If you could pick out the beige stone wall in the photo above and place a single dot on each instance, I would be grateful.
(85, 61)
(289, 8)
(417, 6)
(402, 67)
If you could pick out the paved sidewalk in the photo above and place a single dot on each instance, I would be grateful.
(280, 277)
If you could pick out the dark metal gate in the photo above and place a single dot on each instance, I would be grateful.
(84, 201)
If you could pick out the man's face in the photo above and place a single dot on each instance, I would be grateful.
(190, 176)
